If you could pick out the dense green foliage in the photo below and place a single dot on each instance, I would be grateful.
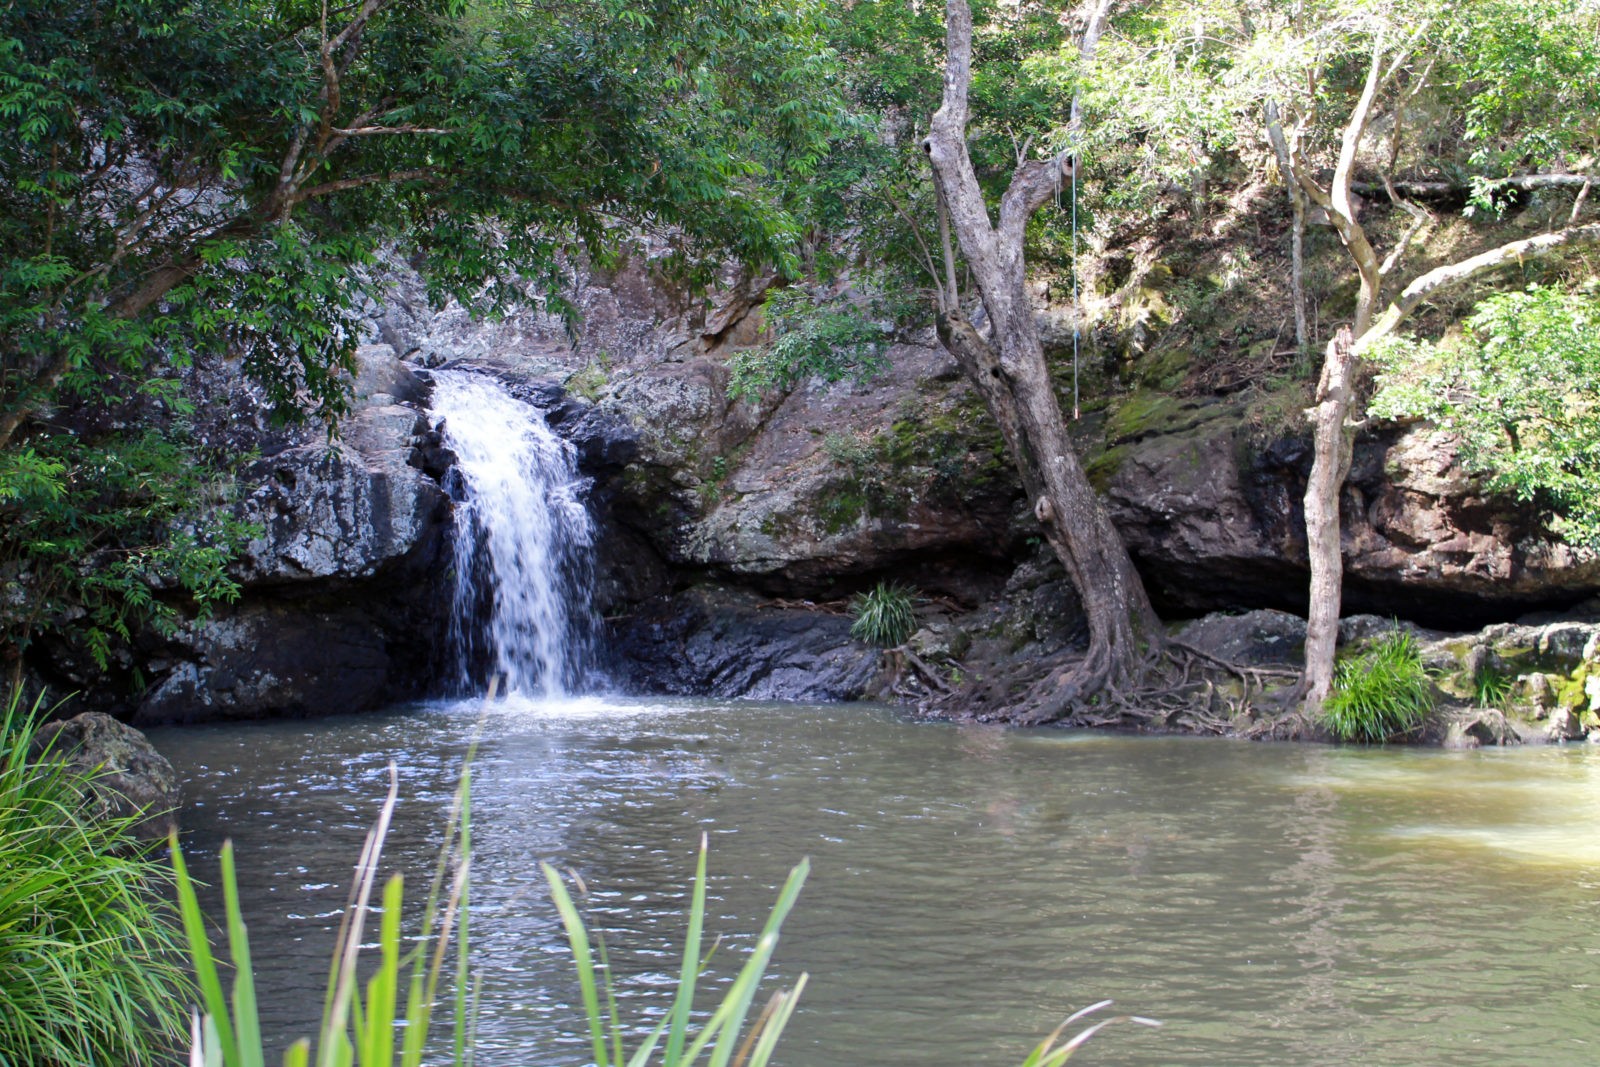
(1521, 390)
(830, 341)
(99, 527)
(1379, 693)
(884, 615)
(219, 178)
(89, 970)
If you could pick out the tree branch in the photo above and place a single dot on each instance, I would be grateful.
(1519, 182)
(1441, 278)
(1036, 181)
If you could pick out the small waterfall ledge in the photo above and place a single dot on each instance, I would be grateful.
(523, 557)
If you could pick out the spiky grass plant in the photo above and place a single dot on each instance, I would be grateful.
(389, 1026)
(1381, 693)
(681, 1041)
(90, 972)
(884, 616)
(1492, 688)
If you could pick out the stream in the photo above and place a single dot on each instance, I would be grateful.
(971, 886)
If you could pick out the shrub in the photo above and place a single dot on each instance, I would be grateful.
(883, 616)
(1380, 693)
(89, 972)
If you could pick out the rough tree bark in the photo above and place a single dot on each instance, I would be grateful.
(1297, 234)
(1008, 369)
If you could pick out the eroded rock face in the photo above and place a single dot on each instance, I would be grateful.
(126, 776)
(726, 644)
(1214, 521)
(340, 590)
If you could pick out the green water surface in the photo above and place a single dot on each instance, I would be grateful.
(1272, 904)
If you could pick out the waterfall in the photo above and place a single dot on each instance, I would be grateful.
(523, 567)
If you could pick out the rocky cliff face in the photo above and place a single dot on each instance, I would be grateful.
(733, 531)
(1211, 511)
(342, 585)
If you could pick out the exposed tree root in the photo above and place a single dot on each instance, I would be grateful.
(1176, 688)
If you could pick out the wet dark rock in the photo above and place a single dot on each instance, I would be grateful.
(1259, 638)
(715, 643)
(126, 776)
(282, 658)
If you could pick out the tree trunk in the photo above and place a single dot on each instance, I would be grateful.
(1330, 463)
(1297, 234)
(1009, 371)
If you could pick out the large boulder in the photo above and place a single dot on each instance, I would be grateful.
(126, 777)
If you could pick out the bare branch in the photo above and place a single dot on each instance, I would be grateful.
(375, 131)
(1453, 274)
(1519, 182)
(394, 177)
(1036, 181)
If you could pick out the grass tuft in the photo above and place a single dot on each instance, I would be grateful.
(1381, 693)
(884, 616)
(89, 969)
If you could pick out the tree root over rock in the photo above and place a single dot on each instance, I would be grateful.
(1178, 689)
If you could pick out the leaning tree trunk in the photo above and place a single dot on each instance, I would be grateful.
(1008, 370)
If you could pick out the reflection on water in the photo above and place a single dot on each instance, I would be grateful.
(1273, 904)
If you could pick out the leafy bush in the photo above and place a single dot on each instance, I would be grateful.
(1520, 389)
(883, 616)
(101, 533)
(89, 969)
(1380, 693)
(831, 341)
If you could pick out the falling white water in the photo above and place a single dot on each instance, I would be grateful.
(522, 542)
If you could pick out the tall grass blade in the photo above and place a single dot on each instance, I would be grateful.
(728, 1019)
(688, 976)
(463, 964)
(376, 1028)
(205, 965)
(785, 1003)
(246, 1021)
(334, 1048)
(578, 939)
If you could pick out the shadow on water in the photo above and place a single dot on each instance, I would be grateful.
(1273, 904)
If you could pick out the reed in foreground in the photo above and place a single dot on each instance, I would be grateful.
(388, 1025)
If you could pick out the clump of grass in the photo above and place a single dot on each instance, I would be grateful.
(389, 1026)
(1381, 693)
(684, 1042)
(884, 615)
(89, 968)
(1492, 688)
